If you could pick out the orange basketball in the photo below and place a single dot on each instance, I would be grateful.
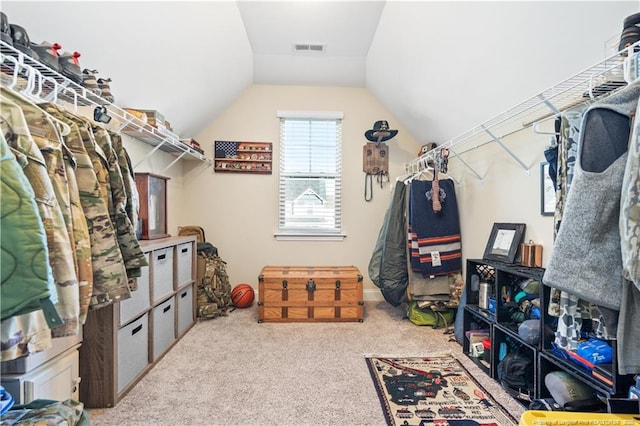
(242, 296)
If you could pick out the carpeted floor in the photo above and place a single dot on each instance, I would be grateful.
(234, 371)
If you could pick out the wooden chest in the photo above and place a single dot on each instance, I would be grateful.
(310, 294)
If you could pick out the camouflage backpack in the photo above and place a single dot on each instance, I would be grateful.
(214, 288)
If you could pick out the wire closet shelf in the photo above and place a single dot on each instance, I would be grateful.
(35, 80)
(599, 80)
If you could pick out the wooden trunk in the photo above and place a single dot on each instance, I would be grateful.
(310, 294)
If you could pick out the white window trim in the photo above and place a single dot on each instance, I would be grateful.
(302, 236)
(320, 115)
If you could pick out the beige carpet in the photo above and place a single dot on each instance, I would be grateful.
(234, 371)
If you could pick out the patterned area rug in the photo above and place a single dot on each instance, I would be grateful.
(433, 390)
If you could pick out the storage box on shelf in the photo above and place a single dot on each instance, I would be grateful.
(125, 340)
(55, 379)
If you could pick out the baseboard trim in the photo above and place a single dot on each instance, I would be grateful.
(372, 295)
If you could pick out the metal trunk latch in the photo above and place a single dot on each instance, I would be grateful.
(311, 285)
(338, 284)
(284, 284)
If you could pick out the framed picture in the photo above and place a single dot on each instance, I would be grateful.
(547, 192)
(504, 241)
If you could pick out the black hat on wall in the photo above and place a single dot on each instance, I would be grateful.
(380, 132)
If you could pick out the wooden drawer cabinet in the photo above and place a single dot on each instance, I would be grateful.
(124, 340)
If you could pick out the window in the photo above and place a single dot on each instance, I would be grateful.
(310, 175)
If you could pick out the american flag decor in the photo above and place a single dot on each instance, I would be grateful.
(226, 149)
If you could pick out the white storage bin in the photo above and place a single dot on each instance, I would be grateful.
(184, 263)
(163, 327)
(184, 301)
(139, 300)
(162, 264)
(57, 379)
(133, 350)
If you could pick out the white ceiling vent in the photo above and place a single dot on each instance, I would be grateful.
(309, 47)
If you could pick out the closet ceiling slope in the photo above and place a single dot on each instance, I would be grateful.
(438, 67)
(188, 60)
(599, 80)
(456, 64)
(41, 84)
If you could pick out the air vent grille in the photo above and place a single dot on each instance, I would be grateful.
(309, 47)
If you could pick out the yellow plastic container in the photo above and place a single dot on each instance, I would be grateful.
(543, 418)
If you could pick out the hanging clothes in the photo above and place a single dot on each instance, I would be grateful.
(27, 280)
(629, 320)
(132, 206)
(388, 263)
(434, 237)
(47, 137)
(133, 256)
(110, 282)
(567, 307)
(581, 258)
(61, 255)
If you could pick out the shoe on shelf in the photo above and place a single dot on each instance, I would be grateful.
(5, 29)
(70, 66)
(105, 89)
(47, 54)
(630, 32)
(90, 82)
(20, 39)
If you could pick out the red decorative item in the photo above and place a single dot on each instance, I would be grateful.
(54, 48)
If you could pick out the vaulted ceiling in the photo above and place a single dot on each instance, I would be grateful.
(438, 67)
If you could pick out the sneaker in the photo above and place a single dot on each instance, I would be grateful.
(90, 82)
(5, 29)
(47, 54)
(105, 89)
(630, 32)
(20, 39)
(70, 66)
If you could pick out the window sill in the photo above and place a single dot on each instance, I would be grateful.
(309, 237)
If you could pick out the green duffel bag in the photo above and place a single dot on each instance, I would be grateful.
(427, 316)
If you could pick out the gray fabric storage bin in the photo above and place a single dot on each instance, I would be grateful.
(184, 263)
(133, 351)
(184, 301)
(140, 298)
(162, 264)
(163, 327)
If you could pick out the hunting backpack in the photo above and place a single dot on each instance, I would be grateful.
(214, 288)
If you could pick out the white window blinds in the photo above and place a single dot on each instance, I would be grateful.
(310, 175)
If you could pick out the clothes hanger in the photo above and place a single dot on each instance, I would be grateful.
(536, 128)
(63, 127)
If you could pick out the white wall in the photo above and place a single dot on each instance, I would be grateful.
(240, 211)
(157, 163)
(507, 192)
